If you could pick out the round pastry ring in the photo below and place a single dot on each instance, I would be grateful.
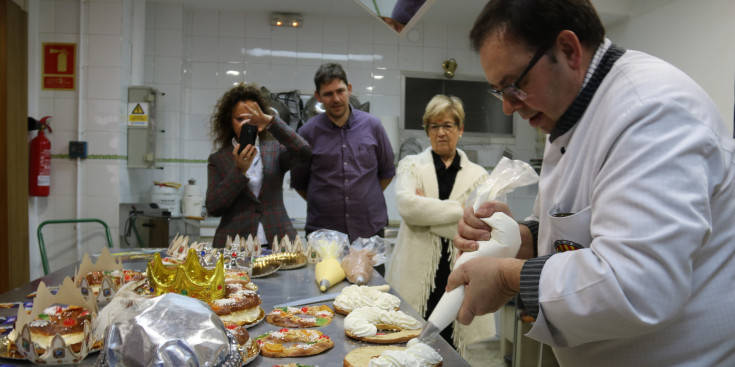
(306, 342)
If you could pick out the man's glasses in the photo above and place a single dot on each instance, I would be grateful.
(514, 90)
(446, 126)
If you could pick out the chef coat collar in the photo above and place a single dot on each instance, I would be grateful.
(579, 105)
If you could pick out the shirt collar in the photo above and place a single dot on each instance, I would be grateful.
(439, 164)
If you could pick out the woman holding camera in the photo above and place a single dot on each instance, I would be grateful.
(245, 183)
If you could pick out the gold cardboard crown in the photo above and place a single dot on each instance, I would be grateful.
(58, 352)
(190, 278)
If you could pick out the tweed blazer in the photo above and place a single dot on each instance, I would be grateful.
(228, 194)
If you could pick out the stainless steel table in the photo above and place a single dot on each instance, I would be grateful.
(280, 287)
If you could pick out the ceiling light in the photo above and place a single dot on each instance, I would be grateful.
(291, 20)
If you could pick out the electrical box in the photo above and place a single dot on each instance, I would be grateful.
(141, 117)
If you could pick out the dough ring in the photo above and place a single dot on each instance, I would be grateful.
(387, 334)
(294, 317)
(374, 325)
(293, 343)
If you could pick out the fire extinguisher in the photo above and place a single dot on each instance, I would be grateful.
(39, 179)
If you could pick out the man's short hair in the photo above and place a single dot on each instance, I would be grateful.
(538, 22)
(328, 72)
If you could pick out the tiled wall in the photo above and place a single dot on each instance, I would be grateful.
(187, 56)
(193, 56)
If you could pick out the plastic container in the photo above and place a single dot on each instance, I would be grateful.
(191, 200)
(168, 198)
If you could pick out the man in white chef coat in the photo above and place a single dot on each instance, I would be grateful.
(635, 217)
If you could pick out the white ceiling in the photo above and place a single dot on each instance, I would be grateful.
(446, 11)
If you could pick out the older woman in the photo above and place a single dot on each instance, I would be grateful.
(431, 188)
(246, 188)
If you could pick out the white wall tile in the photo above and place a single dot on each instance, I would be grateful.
(168, 16)
(102, 114)
(106, 208)
(102, 176)
(258, 50)
(385, 105)
(313, 28)
(67, 17)
(283, 51)
(231, 23)
(285, 33)
(169, 98)
(257, 25)
(169, 42)
(47, 16)
(104, 50)
(361, 30)
(198, 150)
(360, 55)
(231, 49)
(63, 172)
(103, 142)
(65, 115)
(283, 78)
(305, 79)
(435, 35)
(203, 100)
(386, 56)
(410, 58)
(361, 80)
(229, 74)
(336, 52)
(390, 83)
(334, 30)
(258, 73)
(433, 59)
(103, 82)
(205, 22)
(309, 53)
(204, 74)
(167, 70)
(104, 18)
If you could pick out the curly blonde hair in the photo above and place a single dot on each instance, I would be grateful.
(220, 123)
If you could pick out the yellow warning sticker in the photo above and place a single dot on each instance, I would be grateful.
(137, 114)
(137, 110)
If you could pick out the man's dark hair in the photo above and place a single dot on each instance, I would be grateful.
(538, 22)
(328, 72)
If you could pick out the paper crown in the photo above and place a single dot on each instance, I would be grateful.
(189, 279)
(57, 352)
(110, 267)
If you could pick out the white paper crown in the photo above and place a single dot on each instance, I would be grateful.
(106, 264)
(58, 352)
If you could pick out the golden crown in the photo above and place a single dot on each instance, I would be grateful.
(189, 279)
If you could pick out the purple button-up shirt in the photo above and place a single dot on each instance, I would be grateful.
(342, 178)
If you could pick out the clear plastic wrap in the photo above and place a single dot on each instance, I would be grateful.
(330, 245)
(361, 257)
(504, 242)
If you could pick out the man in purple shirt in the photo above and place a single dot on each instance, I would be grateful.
(350, 166)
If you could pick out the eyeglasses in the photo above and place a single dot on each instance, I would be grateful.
(514, 90)
(446, 126)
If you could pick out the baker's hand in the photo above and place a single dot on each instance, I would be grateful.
(489, 283)
(471, 229)
(256, 116)
(245, 158)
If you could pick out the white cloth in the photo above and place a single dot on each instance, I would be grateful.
(255, 182)
(426, 219)
(648, 170)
